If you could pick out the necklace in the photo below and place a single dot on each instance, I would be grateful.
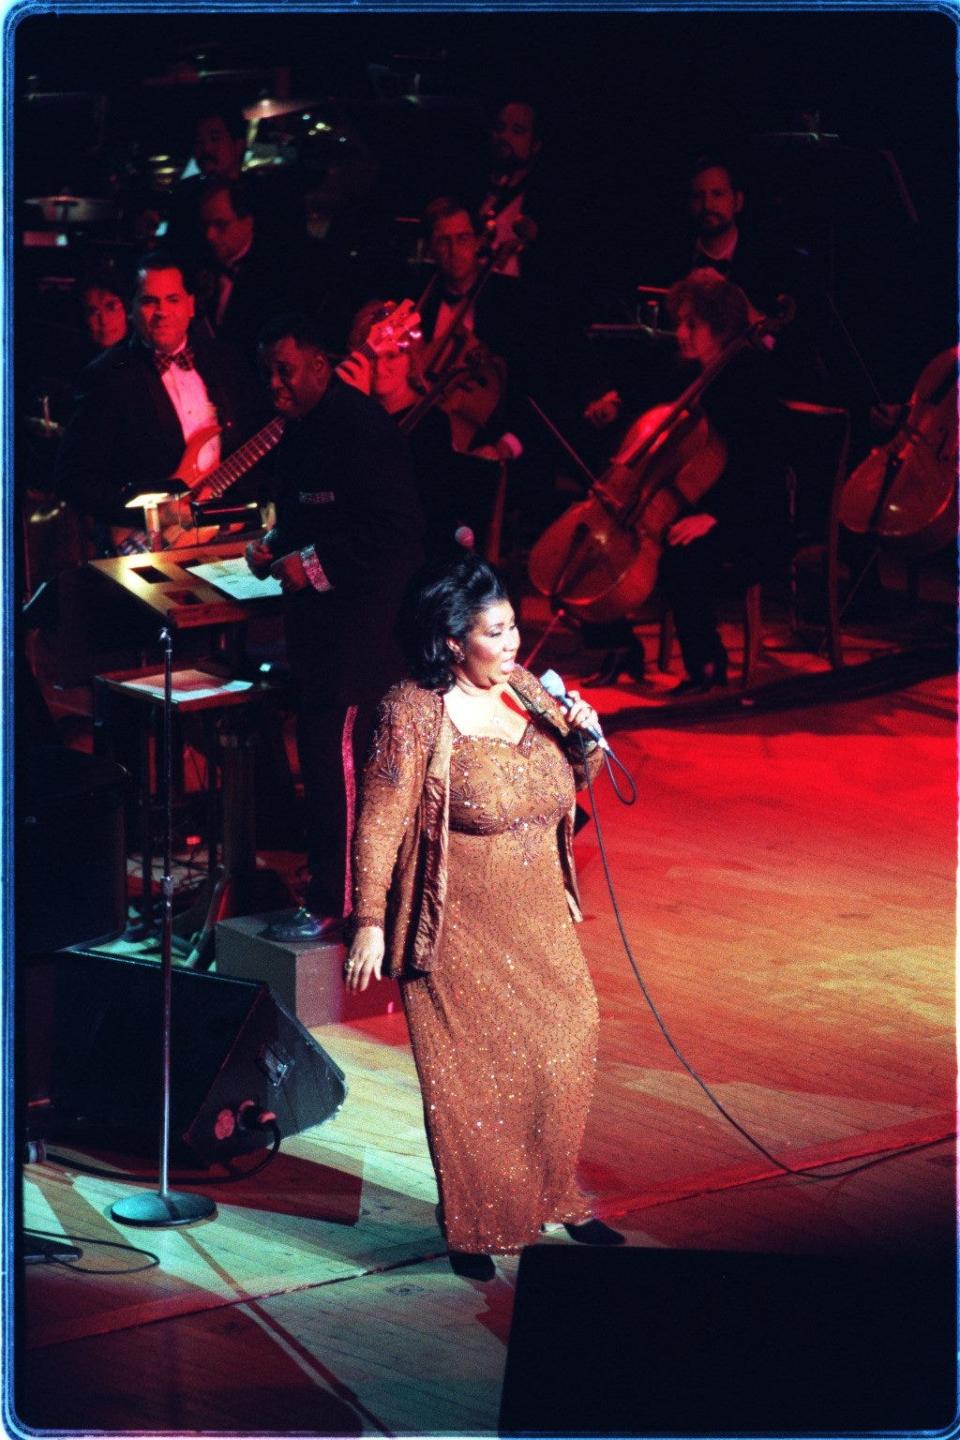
(487, 714)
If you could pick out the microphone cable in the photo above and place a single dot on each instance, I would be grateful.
(610, 758)
(555, 687)
(781, 1165)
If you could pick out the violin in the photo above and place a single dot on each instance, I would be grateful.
(462, 376)
(904, 494)
(468, 392)
(600, 559)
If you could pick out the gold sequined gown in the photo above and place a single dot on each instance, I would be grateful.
(504, 1026)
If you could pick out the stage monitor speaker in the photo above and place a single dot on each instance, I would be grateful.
(235, 1052)
(658, 1342)
(71, 862)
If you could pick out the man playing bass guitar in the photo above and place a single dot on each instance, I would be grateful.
(141, 403)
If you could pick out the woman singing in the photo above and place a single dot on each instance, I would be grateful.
(465, 891)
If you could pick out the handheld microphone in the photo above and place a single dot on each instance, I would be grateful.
(554, 686)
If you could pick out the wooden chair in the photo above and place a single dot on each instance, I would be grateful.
(818, 440)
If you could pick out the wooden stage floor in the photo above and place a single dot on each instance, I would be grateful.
(787, 881)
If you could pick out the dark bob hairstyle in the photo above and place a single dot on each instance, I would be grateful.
(721, 305)
(445, 605)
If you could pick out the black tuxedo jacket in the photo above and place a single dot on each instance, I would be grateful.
(526, 324)
(499, 318)
(268, 281)
(124, 434)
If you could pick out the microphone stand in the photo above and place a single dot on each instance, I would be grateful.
(166, 1207)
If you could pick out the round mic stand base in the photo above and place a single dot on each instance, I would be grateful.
(171, 1208)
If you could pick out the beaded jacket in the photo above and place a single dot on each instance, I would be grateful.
(400, 843)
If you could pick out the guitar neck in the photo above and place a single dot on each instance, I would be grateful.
(366, 350)
(243, 459)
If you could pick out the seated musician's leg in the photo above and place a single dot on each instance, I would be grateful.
(688, 574)
(623, 653)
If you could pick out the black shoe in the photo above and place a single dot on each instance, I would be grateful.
(595, 1232)
(471, 1266)
(628, 660)
(302, 924)
(713, 673)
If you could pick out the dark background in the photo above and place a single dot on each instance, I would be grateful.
(628, 100)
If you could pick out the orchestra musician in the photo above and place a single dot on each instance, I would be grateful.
(456, 486)
(531, 349)
(246, 277)
(510, 207)
(479, 304)
(805, 359)
(219, 146)
(143, 399)
(741, 521)
(104, 308)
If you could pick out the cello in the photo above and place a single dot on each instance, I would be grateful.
(904, 494)
(600, 559)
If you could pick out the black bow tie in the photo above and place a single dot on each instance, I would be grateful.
(449, 297)
(706, 262)
(183, 360)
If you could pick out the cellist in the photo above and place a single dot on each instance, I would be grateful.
(741, 521)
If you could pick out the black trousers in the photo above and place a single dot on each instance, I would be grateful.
(608, 634)
(690, 579)
(689, 575)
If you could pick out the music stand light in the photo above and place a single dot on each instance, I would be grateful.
(149, 501)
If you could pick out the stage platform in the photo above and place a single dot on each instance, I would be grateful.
(787, 881)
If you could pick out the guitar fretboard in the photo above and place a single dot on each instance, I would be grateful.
(246, 455)
(242, 459)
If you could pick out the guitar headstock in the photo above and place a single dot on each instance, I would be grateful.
(396, 328)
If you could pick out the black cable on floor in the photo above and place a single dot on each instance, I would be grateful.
(801, 1174)
(233, 1177)
(153, 1259)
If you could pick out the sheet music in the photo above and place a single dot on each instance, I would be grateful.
(188, 684)
(234, 577)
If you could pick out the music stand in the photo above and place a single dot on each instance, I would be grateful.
(166, 1207)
